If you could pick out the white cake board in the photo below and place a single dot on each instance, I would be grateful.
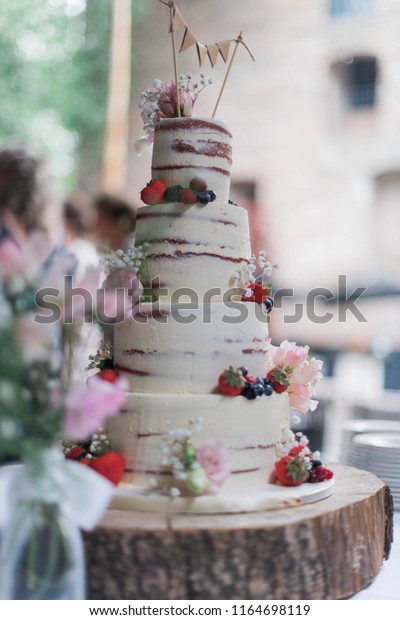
(267, 497)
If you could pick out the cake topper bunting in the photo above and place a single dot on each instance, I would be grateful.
(211, 50)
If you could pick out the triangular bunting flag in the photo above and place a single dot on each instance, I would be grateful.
(224, 49)
(178, 21)
(201, 52)
(212, 51)
(188, 40)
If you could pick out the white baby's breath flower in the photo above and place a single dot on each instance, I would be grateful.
(174, 492)
(180, 476)
(295, 419)
(288, 435)
(178, 465)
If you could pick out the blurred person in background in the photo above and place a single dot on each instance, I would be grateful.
(27, 203)
(79, 221)
(115, 225)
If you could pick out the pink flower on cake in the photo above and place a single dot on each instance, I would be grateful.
(168, 102)
(300, 398)
(294, 372)
(121, 278)
(288, 354)
(213, 457)
(88, 407)
(161, 101)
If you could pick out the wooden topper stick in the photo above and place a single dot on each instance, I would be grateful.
(171, 13)
(238, 40)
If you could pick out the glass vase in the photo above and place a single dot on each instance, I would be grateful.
(45, 502)
(42, 555)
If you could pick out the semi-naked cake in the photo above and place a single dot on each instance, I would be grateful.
(194, 352)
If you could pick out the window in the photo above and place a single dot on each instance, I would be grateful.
(356, 78)
(386, 224)
(392, 372)
(339, 8)
(362, 82)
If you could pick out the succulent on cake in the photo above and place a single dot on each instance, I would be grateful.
(296, 463)
(193, 470)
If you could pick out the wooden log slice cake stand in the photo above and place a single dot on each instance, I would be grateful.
(323, 551)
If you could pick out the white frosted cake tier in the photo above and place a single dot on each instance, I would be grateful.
(188, 147)
(196, 246)
(167, 348)
(248, 429)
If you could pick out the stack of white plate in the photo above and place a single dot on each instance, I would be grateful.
(354, 427)
(379, 453)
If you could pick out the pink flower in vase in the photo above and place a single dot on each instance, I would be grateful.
(87, 408)
(213, 457)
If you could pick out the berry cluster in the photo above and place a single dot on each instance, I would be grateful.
(157, 192)
(109, 464)
(259, 293)
(319, 473)
(237, 381)
(255, 386)
(297, 464)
